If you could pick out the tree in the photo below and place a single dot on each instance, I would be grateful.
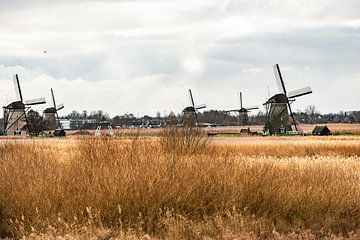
(74, 115)
(99, 116)
(172, 119)
(36, 123)
(84, 114)
(311, 113)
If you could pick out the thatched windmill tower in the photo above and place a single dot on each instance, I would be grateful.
(243, 112)
(15, 120)
(190, 117)
(279, 116)
(51, 114)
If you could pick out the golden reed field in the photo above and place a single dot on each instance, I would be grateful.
(180, 185)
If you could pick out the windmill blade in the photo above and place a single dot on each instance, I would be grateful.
(53, 98)
(279, 79)
(201, 106)
(7, 127)
(300, 92)
(252, 108)
(191, 99)
(240, 99)
(193, 104)
(58, 120)
(233, 110)
(17, 88)
(292, 116)
(35, 101)
(196, 118)
(59, 107)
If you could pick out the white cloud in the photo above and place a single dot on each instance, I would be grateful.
(142, 56)
(144, 95)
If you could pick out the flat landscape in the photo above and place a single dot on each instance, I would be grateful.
(305, 128)
(180, 184)
(172, 120)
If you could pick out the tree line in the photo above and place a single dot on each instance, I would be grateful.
(310, 115)
(90, 120)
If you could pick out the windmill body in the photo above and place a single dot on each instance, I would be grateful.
(243, 117)
(279, 115)
(50, 117)
(243, 112)
(51, 114)
(15, 121)
(190, 117)
(14, 118)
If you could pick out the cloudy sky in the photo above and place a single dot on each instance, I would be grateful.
(142, 56)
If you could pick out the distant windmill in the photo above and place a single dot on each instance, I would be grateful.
(51, 114)
(190, 112)
(278, 106)
(15, 120)
(243, 112)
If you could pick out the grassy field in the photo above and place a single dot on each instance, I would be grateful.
(336, 128)
(182, 185)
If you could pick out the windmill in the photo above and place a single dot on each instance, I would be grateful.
(278, 108)
(51, 114)
(190, 112)
(243, 112)
(15, 120)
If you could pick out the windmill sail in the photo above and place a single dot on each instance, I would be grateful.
(18, 93)
(300, 92)
(35, 101)
(252, 108)
(279, 79)
(233, 110)
(53, 98)
(240, 99)
(59, 107)
(201, 106)
(191, 99)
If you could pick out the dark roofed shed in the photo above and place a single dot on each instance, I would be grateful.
(321, 131)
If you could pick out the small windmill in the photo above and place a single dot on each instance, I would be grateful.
(51, 114)
(278, 107)
(243, 112)
(190, 112)
(15, 119)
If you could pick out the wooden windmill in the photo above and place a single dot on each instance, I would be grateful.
(279, 116)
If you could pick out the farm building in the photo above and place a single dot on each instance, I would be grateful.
(245, 131)
(321, 131)
(59, 133)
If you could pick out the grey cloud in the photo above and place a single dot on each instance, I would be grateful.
(307, 47)
(216, 47)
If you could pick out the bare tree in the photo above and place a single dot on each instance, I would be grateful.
(311, 113)
(158, 115)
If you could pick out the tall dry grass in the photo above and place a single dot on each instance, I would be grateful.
(178, 187)
(293, 146)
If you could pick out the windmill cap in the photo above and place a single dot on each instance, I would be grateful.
(50, 110)
(278, 98)
(15, 105)
(189, 109)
